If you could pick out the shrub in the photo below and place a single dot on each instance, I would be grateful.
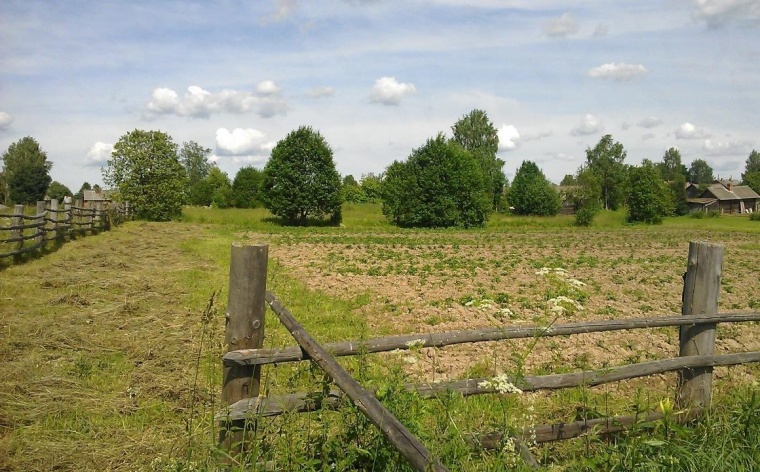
(300, 180)
(440, 185)
(531, 193)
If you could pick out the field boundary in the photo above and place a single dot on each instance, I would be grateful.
(31, 233)
(242, 364)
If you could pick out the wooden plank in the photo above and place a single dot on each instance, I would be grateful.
(573, 429)
(40, 218)
(303, 402)
(396, 433)
(244, 330)
(701, 290)
(16, 233)
(350, 348)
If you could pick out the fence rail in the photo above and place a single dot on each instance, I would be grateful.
(697, 327)
(49, 223)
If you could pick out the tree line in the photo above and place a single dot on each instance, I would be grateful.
(448, 181)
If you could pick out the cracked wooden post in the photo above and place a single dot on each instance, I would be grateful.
(701, 290)
(41, 207)
(244, 330)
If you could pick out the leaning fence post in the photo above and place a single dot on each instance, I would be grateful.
(53, 218)
(244, 330)
(40, 239)
(17, 220)
(700, 297)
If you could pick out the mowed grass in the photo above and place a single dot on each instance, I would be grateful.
(111, 355)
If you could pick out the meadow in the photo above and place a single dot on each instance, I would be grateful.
(111, 344)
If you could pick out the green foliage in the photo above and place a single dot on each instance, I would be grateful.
(58, 191)
(752, 179)
(671, 167)
(439, 185)
(754, 216)
(606, 161)
(677, 187)
(531, 192)
(475, 133)
(26, 171)
(352, 191)
(587, 196)
(568, 180)
(194, 158)
(371, 187)
(145, 171)
(80, 194)
(300, 180)
(751, 165)
(700, 172)
(247, 186)
(649, 199)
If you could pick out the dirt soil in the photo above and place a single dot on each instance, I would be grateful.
(441, 281)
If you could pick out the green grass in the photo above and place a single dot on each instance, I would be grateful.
(112, 357)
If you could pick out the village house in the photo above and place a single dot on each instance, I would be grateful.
(722, 196)
(92, 197)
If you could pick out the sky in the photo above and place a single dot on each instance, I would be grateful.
(377, 78)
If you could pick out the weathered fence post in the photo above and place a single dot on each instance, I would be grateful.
(244, 330)
(98, 212)
(68, 219)
(76, 216)
(40, 239)
(17, 220)
(54, 217)
(700, 297)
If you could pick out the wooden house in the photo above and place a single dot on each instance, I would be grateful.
(722, 196)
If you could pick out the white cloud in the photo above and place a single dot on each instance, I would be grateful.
(268, 87)
(617, 71)
(689, 131)
(199, 103)
(601, 30)
(647, 136)
(561, 27)
(241, 142)
(727, 148)
(388, 91)
(321, 92)
(649, 122)
(283, 9)
(717, 13)
(99, 154)
(5, 120)
(509, 138)
(589, 125)
(540, 135)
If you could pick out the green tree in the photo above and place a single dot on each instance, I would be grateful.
(752, 165)
(246, 187)
(58, 191)
(587, 196)
(475, 133)
(145, 171)
(606, 161)
(568, 180)
(221, 189)
(752, 179)
(371, 185)
(439, 185)
(531, 192)
(649, 199)
(3, 188)
(352, 191)
(194, 159)
(300, 179)
(671, 167)
(26, 171)
(700, 172)
(80, 194)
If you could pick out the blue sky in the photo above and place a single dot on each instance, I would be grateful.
(379, 77)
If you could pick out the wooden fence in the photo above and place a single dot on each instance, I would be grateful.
(30, 233)
(245, 334)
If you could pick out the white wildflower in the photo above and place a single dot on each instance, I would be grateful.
(500, 383)
(506, 312)
(485, 304)
(410, 360)
(576, 283)
(470, 303)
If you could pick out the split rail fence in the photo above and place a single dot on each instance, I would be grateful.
(245, 334)
(30, 233)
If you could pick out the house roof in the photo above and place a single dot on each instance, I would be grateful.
(720, 192)
(745, 192)
(702, 201)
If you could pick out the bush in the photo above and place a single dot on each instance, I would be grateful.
(300, 180)
(649, 199)
(439, 185)
(585, 215)
(532, 194)
(698, 215)
(755, 216)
